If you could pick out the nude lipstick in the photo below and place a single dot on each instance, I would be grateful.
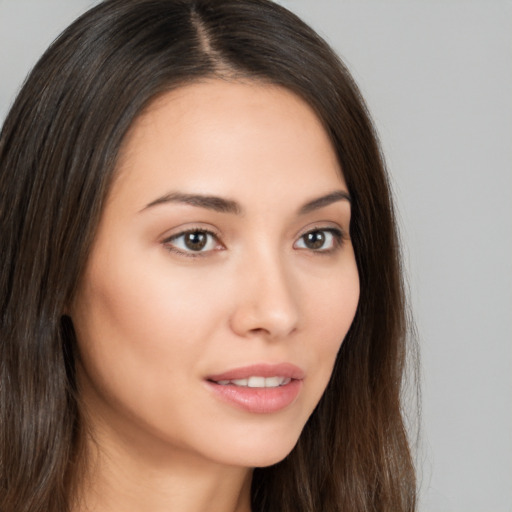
(262, 388)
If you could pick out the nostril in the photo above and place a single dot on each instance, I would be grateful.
(250, 320)
(266, 304)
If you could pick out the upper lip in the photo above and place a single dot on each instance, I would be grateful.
(286, 370)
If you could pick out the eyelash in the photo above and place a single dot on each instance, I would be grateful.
(337, 239)
(336, 233)
(189, 254)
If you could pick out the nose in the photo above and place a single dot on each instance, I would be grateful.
(266, 304)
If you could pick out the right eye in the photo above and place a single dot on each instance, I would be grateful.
(193, 242)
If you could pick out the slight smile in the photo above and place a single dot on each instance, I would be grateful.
(263, 388)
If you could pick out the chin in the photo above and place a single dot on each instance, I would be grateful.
(260, 452)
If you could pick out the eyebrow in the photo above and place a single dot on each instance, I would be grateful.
(215, 203)
(321, 202)
(222, 205)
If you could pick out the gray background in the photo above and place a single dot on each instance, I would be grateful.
(438, 79)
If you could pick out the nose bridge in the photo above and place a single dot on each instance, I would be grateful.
(266, 303)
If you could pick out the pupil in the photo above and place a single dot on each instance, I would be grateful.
(315, 240)
(195, 241)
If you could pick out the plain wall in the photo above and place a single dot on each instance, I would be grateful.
(438, 79)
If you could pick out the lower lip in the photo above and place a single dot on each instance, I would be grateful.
(258, 400)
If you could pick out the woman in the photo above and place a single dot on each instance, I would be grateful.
(202, 306)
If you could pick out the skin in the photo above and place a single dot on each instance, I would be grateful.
(154, 319)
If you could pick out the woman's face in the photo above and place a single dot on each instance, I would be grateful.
(222, 279)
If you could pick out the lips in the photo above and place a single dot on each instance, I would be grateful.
(260, 388)
(257, 382)
(285, 370)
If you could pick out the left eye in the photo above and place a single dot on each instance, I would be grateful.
(193, 241)
(320, 240)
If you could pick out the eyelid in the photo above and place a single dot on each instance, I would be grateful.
(183, 231)
(322, 226)
(339, 234)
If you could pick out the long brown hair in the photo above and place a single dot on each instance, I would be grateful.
(58, 150)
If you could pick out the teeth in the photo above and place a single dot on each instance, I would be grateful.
(257, 382)
(271, 382)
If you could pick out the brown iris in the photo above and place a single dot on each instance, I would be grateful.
(196, 240)
(314, 239)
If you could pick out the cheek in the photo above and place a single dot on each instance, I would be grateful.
(124, 324)
(330, 312)
(332, 304)
(140, 300)
(140, 333)
(141, 320)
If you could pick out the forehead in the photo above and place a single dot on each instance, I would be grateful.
(223, 137)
